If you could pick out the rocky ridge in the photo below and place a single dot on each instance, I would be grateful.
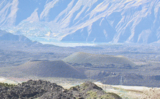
(46, 90)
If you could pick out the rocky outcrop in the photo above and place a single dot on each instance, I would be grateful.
(31, 89)
(90, 90)
(46, 90)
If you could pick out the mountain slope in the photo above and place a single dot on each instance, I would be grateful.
(5, 36)
(118, 21)
(9, 41)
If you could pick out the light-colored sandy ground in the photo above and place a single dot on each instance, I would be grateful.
(5, 80)
(132, 92)
(126, 92)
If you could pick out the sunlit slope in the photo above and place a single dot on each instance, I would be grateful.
(46, 69)
(95, 59)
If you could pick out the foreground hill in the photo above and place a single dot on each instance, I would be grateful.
(126, 92)
(45, 69)
(98, 60)
(46, 90)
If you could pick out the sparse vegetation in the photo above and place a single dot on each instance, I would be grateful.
(45, 90)
(6, 85)
(92, 95)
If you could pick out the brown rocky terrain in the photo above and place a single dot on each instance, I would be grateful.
(45, 90)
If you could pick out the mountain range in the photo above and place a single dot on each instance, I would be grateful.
(91, 21)
(5, 36)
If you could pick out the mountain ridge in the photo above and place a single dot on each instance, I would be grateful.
(125, 21)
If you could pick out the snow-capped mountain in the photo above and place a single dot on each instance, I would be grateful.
(115, 21)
